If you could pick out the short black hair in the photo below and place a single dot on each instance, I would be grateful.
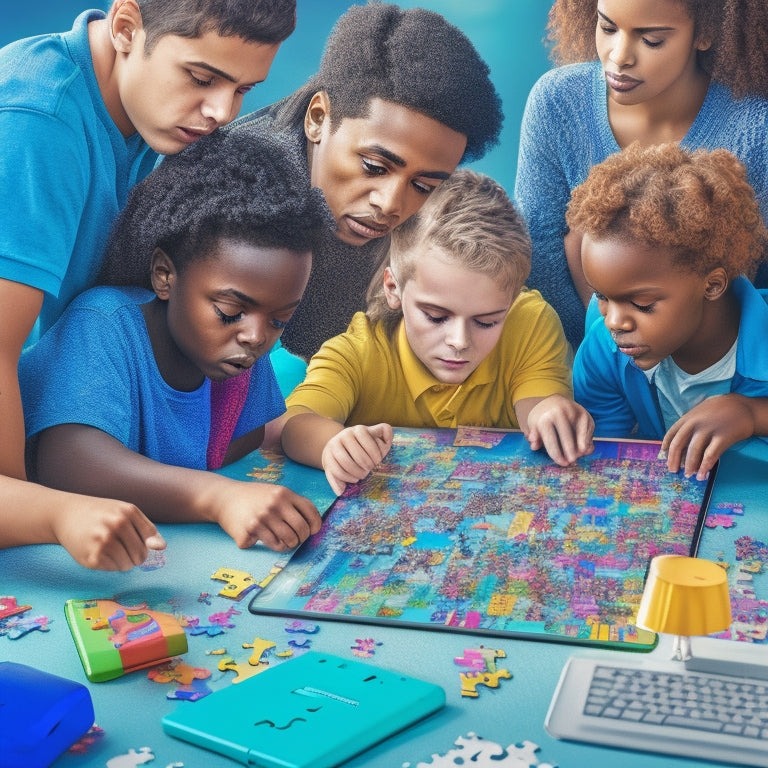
(259, 21)
(225, 185)
(412, 57)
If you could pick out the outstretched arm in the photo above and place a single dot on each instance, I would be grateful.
(104, 534)
(558, 424)
(20, 306)
(84, 459)
(700, 437)
(347, 454)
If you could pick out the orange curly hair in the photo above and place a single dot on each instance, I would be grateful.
(697, 202)
(738, 29)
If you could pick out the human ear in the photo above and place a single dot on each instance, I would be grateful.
(124, 21)
(715, 284)
(703, 44)
(318, 112)
(391, 290)
(162, 274)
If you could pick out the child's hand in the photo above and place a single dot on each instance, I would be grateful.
(349, 456)
(562, 427)
(272, 514)
(104, 534)
(701, 436)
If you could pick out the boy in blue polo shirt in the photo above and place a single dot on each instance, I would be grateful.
(679, 352)
(84, 115)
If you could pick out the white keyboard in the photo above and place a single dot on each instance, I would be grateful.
(658, 706)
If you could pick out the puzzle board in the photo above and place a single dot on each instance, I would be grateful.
(470, 530)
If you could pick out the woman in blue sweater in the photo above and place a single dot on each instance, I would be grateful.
(688, 71)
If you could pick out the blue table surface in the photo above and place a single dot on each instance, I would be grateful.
(129, 709)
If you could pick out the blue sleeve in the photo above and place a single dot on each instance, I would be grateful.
(597, 385)
(42, 186)
(74, 376)
(542, 192)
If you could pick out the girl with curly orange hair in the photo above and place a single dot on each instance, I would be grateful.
(679, 353)
(653, 71)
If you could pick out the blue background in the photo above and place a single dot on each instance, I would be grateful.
(508, 34)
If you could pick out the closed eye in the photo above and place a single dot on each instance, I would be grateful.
(225, 318)
(373, 169)
(203, 83)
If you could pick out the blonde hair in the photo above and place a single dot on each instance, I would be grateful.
(471, 219)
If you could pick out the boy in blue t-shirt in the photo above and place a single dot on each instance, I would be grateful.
(84, 115)
(678, 354)
(117, 394)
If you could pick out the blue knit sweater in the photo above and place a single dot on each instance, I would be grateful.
(565, 131)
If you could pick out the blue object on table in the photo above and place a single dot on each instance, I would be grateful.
(314, 711)
(41, 715)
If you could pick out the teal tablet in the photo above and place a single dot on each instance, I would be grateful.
(314, 711)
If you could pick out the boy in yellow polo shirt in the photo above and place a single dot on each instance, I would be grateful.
(451, 337)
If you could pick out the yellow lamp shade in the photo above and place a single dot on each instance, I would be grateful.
(685, 596)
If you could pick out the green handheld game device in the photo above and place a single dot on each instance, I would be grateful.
(314, 711)
(113, 639)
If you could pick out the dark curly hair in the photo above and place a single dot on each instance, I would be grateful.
(698, 203)
(259, 21)
(412, 57)
(738, 29)
(226, 185)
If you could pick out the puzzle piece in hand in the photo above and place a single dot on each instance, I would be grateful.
(475, 751)
(155, 559)
(239, 583)
(471, 680)
(131, 759)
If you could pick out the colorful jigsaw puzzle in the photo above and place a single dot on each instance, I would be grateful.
(471, 530)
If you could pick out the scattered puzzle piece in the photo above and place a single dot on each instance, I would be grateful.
(260, 647)
(178, 672)
(131, 759)
(17, 627)
(480, 659)
(239, 583)
(302, 626)
(224, 618)
(476, 751)
(193, 627)
(84, 743)
(471, 680)
(242, 671)
(10, 607)
(197, 689)
(365, 648)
